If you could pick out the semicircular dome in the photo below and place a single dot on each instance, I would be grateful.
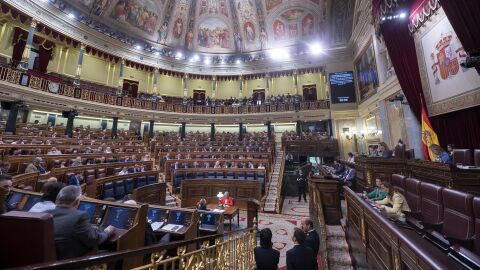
(208, 26)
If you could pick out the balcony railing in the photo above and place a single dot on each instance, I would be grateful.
(38, 82)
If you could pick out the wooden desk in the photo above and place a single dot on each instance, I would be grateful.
(378, 243)
(241, 190)
(445, 175)
(326, 190)
(229, 213)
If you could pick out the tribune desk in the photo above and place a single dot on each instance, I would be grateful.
(229, 213)
(378, 243)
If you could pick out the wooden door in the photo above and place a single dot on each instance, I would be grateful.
(258, 94)
(309, 92)
(199, 96)
(130, 88)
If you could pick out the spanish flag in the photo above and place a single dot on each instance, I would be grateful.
(429, 136)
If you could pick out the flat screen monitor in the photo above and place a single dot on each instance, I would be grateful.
(176, 217)
(119, 217)
(13, 201)
(94, 211)
(156, 215)
(31, 201)
(342, 87)
(209, 219)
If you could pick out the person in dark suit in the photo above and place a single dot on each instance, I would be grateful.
(350, 177)
(302, 186)
(76, 179)
(74, 235)
(311, 236)
(266, 258)
(384, 151)
(300, 257)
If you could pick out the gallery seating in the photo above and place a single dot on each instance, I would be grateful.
(398, 183)
(462, 156)
(431, 205)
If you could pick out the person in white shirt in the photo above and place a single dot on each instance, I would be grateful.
(260, 166)
(351, 158)
(123, 171)
(50, 191)
(54, 151)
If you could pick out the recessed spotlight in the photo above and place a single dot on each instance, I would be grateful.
(71, 15)
(138, 47)
(157, 53)
(196, 58)
(403, 15)
(316, 48)
(238, 61)
(178, 55)
(207, 61)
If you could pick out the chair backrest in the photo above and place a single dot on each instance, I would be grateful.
(152, 179)
(476, 213)
(462, 156)
(458, 220)
(101, 173)
(129, 185)
(119, 187)
(431, 203)
(141, 181)
(476, 154)
(413, 194)
(108, 191)
(398, 183)
(19, 228)
(400, 151)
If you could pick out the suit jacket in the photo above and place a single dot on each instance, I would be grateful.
(31, 168)
(313, 241)
(74, 235)
(73, 180)
(301, 257)
(266, 258)
(350, 177)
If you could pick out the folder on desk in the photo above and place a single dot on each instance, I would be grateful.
(172, 227)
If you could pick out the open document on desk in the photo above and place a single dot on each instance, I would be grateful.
(172, 227)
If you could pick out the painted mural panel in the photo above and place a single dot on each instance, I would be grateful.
(293, 25)
(141, 14)
(213, 7)
(247, 16)
(366, 74)
(269, 4)
(178, 23)
(213, 33)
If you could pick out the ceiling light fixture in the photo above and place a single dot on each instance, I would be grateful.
(71, 15)
(138, 47)
(238, 61)
(316, 48)
(279, 54)
(207, 61)
(178, 55)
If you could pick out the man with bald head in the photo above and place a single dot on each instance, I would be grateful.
(311, 236)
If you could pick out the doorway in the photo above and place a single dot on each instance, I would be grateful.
(258, 94)
(310, 92)
(198, 97)
(130, 88)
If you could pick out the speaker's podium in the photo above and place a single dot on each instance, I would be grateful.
(252, 211)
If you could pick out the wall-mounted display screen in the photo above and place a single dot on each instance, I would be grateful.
(342, 87)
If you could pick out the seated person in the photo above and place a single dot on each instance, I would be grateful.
(131, 159)
(226, 200)
(5, 187)
(123, 171)
(266, 258)
(440, 154)
(35, 166)
(396, 199)
(202, 204)
(76, 179)
(74, 235)
(383, 150)
(351, 158)
(377, 193)
(349, 177)
(50, 191)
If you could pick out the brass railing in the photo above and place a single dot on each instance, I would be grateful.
(44, 84)
(232, 251)
(280, 183)
(316, 212)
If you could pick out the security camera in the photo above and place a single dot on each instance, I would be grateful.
(400, 98)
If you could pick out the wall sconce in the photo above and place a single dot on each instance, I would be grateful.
(353, 134)
(372, 131)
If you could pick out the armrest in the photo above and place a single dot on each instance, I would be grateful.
(465, 256)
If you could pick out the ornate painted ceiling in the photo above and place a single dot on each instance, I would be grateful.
(209, 26)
